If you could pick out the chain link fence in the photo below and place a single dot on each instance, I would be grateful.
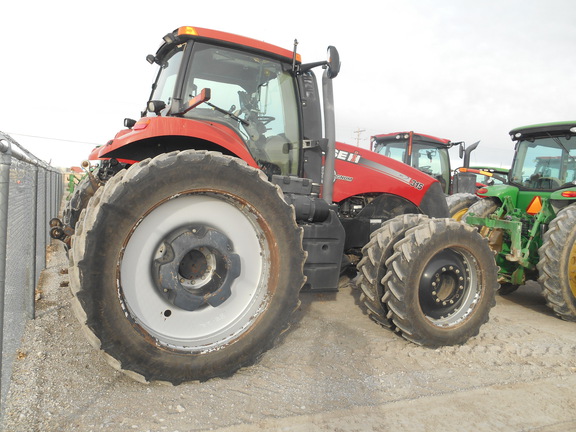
(30, 195)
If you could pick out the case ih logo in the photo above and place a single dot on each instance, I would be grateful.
(347, 156)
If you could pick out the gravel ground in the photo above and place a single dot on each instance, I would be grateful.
(335, 370)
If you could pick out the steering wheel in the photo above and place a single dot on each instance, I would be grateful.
(265, 119)
(426, 169)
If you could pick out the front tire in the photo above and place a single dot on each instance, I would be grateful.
(186, 267)
(442, 280)
(557, 265)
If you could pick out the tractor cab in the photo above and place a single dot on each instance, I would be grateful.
(545, 157)
(252, 95)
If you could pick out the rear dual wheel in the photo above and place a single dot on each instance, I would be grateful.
(186, 267)
(439, 282)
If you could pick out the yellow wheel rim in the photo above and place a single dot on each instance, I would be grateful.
(572, 270)
(458, 215)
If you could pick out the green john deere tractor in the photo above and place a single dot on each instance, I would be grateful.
(530, 220)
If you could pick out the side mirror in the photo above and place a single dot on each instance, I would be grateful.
(204, 96)
(333, 62)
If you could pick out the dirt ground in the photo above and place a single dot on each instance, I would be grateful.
(335, 370)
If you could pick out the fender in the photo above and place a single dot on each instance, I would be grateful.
(499, 191)
(568, 194)
(154, 135)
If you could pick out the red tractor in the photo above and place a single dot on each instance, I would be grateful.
(192, 238)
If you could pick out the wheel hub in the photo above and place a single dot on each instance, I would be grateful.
(195, 266)
(443, 284)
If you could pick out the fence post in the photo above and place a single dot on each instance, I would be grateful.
(30, 304)
(5, 161)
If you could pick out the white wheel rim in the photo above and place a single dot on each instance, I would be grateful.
(208, 328)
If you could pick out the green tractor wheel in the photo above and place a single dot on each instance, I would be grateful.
(557, 265)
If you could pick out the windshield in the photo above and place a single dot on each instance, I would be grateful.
(253, 95)
(163, 89)
(429, 159)
(545, 163)
(395, 150)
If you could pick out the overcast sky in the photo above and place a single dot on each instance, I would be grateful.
(457, 69)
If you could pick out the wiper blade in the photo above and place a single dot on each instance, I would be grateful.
(228, 113)
(203, 97)
(557, 141)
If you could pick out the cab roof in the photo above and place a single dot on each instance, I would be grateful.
(185, 33)
(416, 137)
(544, 129)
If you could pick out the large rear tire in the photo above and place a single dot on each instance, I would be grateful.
(557, 265)
(186, 267)
(442, 280)
(372, 267)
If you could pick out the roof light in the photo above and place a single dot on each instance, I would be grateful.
(573, 129)
(169, 38)
(517, 135)
(191, 31)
